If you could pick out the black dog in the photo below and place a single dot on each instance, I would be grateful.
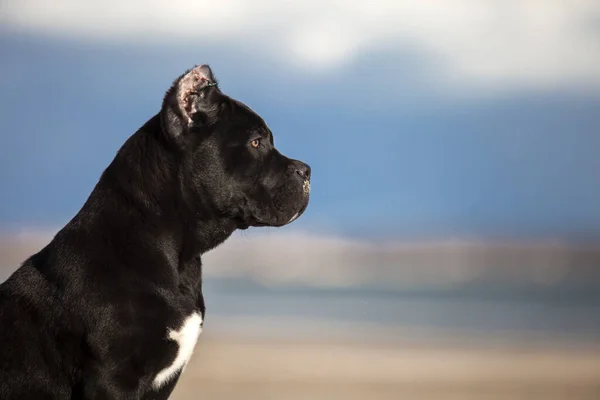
(113, 306)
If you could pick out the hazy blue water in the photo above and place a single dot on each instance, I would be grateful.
(571, 311)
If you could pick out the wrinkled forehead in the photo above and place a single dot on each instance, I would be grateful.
(245, 116)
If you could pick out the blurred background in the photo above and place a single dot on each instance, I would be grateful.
(451, 248)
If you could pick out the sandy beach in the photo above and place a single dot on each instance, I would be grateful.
(235, 368)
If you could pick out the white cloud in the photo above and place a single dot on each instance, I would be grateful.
(539, 43)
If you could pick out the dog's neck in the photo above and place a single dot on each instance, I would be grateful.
(141, 193)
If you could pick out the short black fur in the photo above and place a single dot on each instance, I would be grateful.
(87, 316)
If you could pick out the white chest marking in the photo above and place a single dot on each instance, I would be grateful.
(186, 338)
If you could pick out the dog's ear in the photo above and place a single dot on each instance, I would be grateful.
(192, 100)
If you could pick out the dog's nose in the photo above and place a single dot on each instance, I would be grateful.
(301, 169)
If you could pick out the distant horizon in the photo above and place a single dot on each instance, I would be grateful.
(317, 259)
(369, 235)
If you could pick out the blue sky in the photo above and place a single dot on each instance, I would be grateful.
(464, 119)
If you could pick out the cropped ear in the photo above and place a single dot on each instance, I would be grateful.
(191, 100)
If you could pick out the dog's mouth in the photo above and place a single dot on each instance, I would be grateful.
(281, 221)
(297, 214)
(293, 218)
(302, 197)
(284, 208)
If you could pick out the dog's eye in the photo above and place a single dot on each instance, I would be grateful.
(255, 143)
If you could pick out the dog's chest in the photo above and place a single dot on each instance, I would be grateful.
(186, 337)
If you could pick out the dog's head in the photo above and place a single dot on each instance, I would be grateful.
(229, 166)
